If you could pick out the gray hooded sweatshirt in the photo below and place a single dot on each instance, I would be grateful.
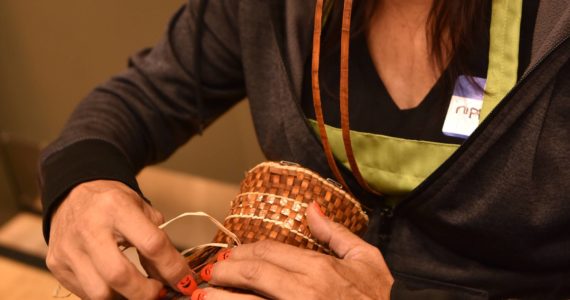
(492, 222)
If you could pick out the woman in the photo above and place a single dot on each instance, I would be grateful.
(458, 209)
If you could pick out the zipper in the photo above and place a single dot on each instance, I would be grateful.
(428, 181)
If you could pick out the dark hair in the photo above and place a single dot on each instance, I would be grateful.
(462, 23)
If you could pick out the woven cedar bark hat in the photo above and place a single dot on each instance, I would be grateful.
(273, 201)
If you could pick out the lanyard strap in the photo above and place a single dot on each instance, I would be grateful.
(318, 23)
(344, 114)
(503, 53)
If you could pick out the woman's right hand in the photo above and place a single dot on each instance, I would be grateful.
(86, 232)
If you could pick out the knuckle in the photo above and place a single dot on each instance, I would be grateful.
(117, 275)
(91, 234)
(263, 248)
(100, 294)
(335, 226)
(312, 294)
(155, 216)
(313, 290)
(110, 198)
(308, 288)
(373, 251)
(159, 217)
(368, 252)
(116, 199)
(52, 262)
(85, 232)
(252, 272)
(155, 243)
(323, 264)
(57, 258)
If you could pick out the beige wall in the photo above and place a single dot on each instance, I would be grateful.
(53, 52)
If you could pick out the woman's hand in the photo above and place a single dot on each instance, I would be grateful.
(279, 271)
(86, 231)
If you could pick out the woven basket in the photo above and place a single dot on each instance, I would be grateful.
(273, 201)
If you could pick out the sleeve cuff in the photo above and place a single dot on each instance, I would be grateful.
(81, 162)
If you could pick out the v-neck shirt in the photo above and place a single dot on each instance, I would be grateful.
(375, 115)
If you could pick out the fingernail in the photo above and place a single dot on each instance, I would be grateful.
(318, 208)
(224, 254)
(162, 294)
(199, 294)
(187, 285)
(206, 272)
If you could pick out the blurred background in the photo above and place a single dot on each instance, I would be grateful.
(52, 53)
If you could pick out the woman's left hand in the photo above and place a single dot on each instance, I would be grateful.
(278, 271)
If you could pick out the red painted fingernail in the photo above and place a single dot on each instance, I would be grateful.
(206, 272)
(187, 285)
(199, 294)
(318, 207)
(224, 254)
(162, 294)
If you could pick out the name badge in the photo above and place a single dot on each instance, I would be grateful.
(463, 113)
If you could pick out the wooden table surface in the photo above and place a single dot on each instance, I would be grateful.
(19, 281)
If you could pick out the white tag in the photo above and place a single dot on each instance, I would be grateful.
(463, 113)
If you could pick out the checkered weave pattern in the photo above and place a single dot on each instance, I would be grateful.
(273, 200)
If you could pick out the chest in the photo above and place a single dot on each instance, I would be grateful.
(400, 53)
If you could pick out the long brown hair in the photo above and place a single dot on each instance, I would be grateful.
(455, 29)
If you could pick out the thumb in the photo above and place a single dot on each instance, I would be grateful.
(340, 240)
